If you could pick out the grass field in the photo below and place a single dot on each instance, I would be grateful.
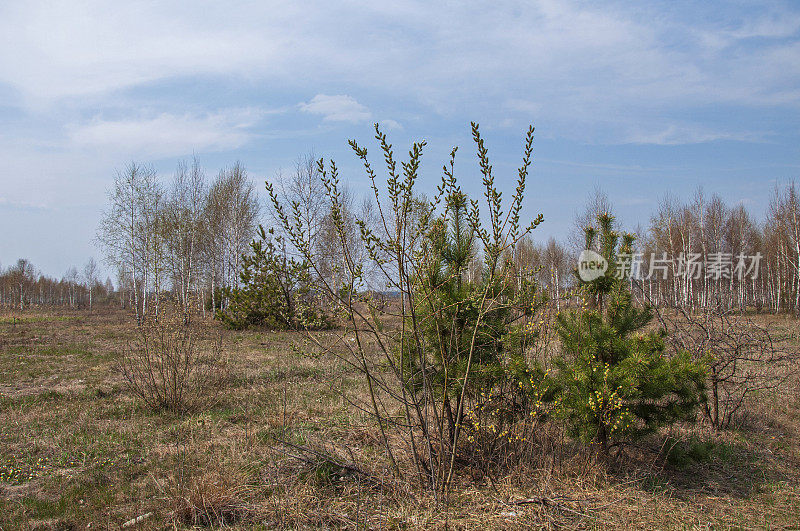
(78, 451)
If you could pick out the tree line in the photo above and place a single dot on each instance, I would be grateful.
(189, 238)
(757, 264)
(22, 285)
(700, 254)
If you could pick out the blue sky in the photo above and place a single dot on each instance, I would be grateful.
(637, 98)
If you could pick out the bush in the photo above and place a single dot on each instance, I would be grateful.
(743, 357)
(459, 335)
(503, 423)
(483, 349)
(616, 381)
(167, 367)
(275, 290)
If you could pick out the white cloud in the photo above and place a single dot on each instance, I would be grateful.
(391, 125)
(688, 134)
(4, 202)
(340, 108)
(573, 65)
(52, 50)
(167, 134)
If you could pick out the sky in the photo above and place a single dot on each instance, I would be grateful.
(638, 99)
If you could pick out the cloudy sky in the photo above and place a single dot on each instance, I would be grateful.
(637, 98)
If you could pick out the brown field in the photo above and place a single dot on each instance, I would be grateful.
(78, 451)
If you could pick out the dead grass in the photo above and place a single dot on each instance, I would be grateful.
(77, 449)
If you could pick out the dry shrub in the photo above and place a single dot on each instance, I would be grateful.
(169, 366)
(744, 359)
(208, 502)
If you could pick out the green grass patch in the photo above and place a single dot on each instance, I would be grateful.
(697, 450)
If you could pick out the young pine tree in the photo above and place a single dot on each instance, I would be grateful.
(617, 382)
(455, 328)
(274, 292)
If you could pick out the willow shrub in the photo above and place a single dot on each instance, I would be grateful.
(458, 333)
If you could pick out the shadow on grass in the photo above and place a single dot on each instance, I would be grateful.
(732, 465)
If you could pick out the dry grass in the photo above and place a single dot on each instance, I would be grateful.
(77, 449)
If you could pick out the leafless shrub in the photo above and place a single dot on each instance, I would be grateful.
(743, 357)
(168, 366)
